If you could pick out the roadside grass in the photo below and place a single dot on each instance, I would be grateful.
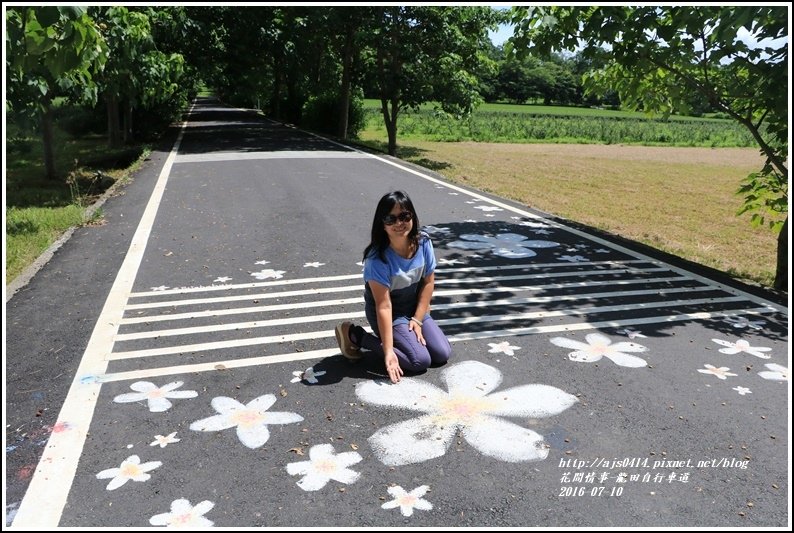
(38, 210)
(679, 200)
(537, 109)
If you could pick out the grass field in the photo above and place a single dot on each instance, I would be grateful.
(679, 200)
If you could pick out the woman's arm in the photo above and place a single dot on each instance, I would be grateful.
(422, 306)
(384, 312)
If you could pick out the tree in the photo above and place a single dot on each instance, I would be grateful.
(423, 54)
(659, 55)
(51, 51)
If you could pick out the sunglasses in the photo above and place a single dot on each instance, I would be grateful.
(405, 216)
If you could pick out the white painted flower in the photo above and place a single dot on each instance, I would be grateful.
(776, 372)
(442, 261)
(453, 194)
(325, 464)
(631, 333)
(160, 288)
(315, 264)
(222, 279)
(742, 390)
(436, 229)
(532, 224)
(184, 515)
(721, 372)
(601, 251)
(309, 375)
(599, 346)
(510, 245)
(469, 220)
(467, 407)
(573, 258)
(251, 419)
(157, 397)
(744, 322)
(262, 262)
(488, 208)
(502, 347)
(130, 469)
(742, 346)
(408, 501)
(268, 273)
(541, 231)
(164, 441)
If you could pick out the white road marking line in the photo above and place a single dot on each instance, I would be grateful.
(270, 339)
(306, 319)
(360, 287)
(360, 300)
(323, 353)
(45, 498)
(243, 310)
(346, 277)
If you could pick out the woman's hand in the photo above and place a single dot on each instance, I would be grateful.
(393, 366)
(417, 328)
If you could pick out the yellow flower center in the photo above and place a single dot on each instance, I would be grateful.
(247, 417)
(130, 470)
(325, 465)
(463, 410)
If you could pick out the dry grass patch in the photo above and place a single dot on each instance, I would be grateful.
(680, 200)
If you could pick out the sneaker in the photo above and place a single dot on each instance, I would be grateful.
(349, 350)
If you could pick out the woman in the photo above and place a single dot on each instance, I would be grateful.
(399, 270)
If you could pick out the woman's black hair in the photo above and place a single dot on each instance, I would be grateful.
(380, 239)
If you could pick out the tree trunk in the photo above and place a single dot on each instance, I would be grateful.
(344, 104)
(114, 139)
(781, 275)
(128, 123)
(47, 141)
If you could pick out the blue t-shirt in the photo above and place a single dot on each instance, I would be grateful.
(402, 276)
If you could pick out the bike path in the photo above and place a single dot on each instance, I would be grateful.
(590, 384)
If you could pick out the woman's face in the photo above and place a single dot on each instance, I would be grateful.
(398, 222)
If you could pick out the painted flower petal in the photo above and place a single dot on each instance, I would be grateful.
(213, 423)
(345, 476)
(540, 244)
(262, 403)
(597, 339)
(300, 467)
(584, 357)
(729, 351)
(321, 451)
(143, 386)
(117, 482)
(110, 472)
(622, 359)
(130, 397)
(313, 481)
(505, 441)
(727, 344)
(282, 417)
(254, 436)
(514, 253)
(182, 506)
(624, 346)
(183, 394)
(565, 342)
(407, 394)
(158, 405)
(347, 459)
(471, 378)
(534, 400)
(171, 386)
(224, 404)
(411, 441)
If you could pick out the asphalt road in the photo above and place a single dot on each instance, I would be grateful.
(154, 365)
